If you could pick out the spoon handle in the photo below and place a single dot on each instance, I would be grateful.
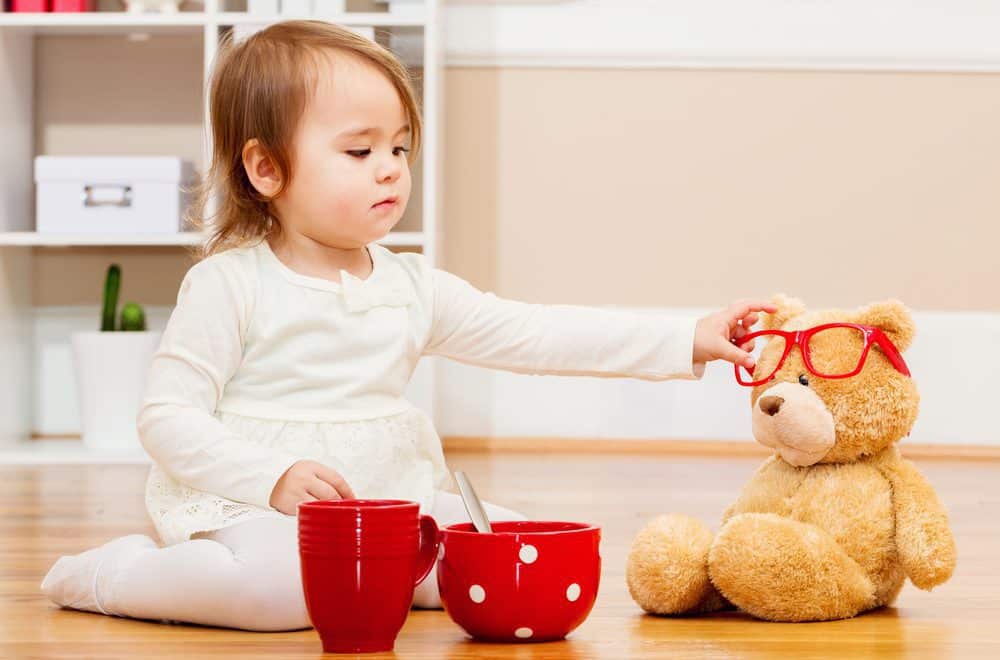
(472, 504)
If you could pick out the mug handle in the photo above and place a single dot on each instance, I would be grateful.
(430, 537)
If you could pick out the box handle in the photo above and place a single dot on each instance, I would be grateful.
(107, 195)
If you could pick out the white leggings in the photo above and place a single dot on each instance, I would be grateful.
(244, 576)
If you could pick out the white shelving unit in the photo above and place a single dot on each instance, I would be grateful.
(106, 22)
(23, 38)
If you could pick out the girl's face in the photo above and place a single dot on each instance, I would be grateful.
(350, 179)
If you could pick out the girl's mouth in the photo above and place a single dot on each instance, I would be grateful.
(386, 203)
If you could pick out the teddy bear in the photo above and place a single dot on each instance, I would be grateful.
(833, 522)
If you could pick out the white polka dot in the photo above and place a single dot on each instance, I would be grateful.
(441, 552)
(572, 592)
(528, 554)
(524, 633)
(477, 594)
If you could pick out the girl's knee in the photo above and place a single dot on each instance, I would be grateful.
(496, 512)
(271, 605)
(426, 595)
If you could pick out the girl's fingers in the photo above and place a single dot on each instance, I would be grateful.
(745, 307)
(735, 355)
(294, 501)
(320, 490)
(333, 478)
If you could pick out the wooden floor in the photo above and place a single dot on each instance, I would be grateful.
(54, 510)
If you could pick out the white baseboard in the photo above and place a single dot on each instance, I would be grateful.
(887, 35)
(957, 384)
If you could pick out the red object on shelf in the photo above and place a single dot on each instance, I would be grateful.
(72, 5)
(29, 5)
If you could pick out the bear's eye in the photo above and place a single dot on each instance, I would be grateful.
(803, 380)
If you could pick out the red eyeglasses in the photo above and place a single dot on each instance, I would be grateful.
(833, 350)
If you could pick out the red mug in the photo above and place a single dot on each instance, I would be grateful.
(361, 560)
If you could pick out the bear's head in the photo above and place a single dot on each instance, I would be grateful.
(808, 418)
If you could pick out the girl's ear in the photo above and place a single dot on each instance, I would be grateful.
(893, 318)
(263, 175)
(788, 308)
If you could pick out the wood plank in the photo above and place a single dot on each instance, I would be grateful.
(720, 448)
(52, 510)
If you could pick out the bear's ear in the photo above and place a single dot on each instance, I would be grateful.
(788, 308)
(893, 318)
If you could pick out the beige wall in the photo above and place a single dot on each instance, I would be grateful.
(631, 187)
(678, 188)
(114, 96)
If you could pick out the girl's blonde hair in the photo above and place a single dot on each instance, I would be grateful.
(259, 90)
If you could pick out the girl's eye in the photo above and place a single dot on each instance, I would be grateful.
(361, 153)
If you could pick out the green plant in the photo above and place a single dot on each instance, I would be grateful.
(133, 318)
(112, 283)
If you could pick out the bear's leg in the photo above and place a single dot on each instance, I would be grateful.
(667, 569)
(780, 569)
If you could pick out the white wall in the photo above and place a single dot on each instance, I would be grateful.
(956, 379)
(929, 35)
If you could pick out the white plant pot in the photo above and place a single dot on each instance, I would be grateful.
(111, 370)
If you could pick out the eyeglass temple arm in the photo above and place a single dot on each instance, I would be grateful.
(891, 352)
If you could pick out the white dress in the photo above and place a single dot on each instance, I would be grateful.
(260, 367)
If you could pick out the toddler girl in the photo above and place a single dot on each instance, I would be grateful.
(281, 372)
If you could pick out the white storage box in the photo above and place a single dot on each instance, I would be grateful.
(111, 194)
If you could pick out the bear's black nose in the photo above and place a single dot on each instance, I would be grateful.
(770, 405)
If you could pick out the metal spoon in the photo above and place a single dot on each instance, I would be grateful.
(472, 504)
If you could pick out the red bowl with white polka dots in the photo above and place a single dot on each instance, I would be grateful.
(528, 581)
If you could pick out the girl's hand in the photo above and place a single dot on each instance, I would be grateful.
(306, 481)
(714, 334)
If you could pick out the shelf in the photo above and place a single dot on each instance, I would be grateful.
(100, 23)
(360, 19)
(123, 23)
(30, 238)
(67, 452)
(52, 86)
(190, 238)
(404, 239)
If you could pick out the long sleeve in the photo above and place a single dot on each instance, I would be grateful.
(201, 348)
(482, 329)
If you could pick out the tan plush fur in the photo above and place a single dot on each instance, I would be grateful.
(832, 524)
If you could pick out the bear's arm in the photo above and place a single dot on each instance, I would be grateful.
(923, 537)
(758, 495)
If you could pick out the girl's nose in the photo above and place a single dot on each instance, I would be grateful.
(388, 170)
